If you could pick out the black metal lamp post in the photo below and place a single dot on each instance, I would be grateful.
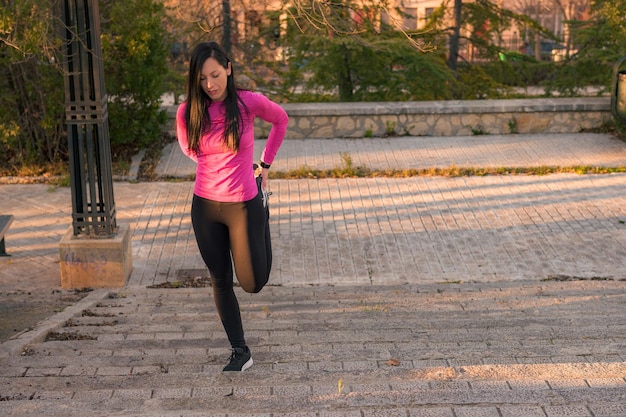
(93, 205)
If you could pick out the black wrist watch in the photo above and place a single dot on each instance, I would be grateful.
(264, 165)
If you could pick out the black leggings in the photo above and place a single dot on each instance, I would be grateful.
(240, 230)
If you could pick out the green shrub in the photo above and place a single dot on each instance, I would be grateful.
(134, 44)
(32, 103)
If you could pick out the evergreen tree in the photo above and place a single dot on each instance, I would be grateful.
(353, 51)
(135, 63)
(600, 42)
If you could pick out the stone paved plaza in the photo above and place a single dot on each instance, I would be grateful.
(421, 296)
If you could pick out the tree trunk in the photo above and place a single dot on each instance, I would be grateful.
(226, 31)
(453, 52)
(346, 89)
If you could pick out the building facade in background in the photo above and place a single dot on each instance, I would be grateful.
(551, 14)
(251, 20)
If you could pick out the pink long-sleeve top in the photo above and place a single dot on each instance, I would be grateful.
(221, 174)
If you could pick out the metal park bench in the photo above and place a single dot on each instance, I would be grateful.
(5, 222)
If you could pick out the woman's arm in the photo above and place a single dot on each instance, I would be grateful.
(181, 133)
(274, 114)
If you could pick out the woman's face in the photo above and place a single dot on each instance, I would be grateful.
(214, 78)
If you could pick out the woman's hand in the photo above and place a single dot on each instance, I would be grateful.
(264, 174)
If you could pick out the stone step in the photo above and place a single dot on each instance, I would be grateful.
(371, 400)
(500, 349)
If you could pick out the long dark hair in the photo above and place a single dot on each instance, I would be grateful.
(197, 110)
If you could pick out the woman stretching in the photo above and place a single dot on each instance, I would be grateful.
(215, 128)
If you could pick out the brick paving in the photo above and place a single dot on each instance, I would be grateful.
(492, 151)
(422, 296)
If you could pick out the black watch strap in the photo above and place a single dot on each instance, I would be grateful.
(264, 165)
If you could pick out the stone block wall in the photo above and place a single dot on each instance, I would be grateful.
(439, 118)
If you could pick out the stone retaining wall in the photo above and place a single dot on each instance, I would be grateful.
(439, 118)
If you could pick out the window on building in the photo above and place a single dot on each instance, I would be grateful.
(410, 21)
(253, 22)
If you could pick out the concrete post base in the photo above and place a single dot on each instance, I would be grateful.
(96, 263)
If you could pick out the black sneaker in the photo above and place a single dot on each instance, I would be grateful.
(240, 360)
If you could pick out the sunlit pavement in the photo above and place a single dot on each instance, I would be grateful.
(481, 296)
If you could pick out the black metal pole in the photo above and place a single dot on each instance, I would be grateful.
(91, 177)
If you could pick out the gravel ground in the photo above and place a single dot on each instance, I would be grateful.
(22, 310)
